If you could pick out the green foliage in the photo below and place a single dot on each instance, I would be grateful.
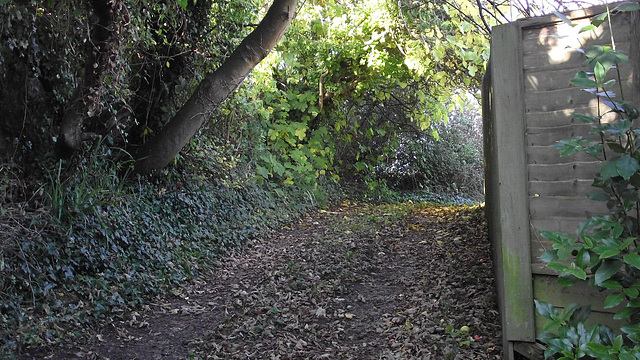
(163, 50)
(574, 340)
(604, 251)
(329, 103)
(446, 159)
(106, 246)
(338, 90)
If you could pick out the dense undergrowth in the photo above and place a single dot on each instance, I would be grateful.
(89, 247)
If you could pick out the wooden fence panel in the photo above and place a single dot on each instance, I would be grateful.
(530, 187)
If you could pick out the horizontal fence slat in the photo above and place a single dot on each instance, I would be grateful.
(554, 40)
(565, 116)
(544, 28)
(546, 288)
(569, 97)
(545, 80)
(565, 206)
(567, 53)
(563, 224)
(566, 58)
(570, 188)
(552, 19)
(548, 136)
(551, 155)
(565, 171)
(552, 80)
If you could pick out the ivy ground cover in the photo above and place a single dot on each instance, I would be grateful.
(358, 281)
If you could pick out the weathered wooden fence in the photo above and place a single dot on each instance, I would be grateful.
(528, 101)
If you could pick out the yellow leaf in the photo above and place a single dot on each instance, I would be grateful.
(301, 133)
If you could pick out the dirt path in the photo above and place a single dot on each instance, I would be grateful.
(359, 282)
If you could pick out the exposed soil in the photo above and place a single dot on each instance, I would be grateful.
(357, 282)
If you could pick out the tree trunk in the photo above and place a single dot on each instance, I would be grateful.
(215, 88)
(105, 18)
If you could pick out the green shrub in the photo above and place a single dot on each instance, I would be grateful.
(447, 160)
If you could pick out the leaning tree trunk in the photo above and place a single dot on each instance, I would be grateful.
(215, 88)
(106, 18)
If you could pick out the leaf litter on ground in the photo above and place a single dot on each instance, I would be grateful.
(359, 281)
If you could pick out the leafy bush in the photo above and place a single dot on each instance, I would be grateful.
(444, 159)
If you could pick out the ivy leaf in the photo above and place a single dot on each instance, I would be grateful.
(635, 180)
(549, 256)
(616, 147)
(632, 331)
(613, 300)
(605, 55)
(262, 171)
(609, 170)
(583, 258)
(599, 19)
(577, 272)
(606, 271)
(633, 260)
(606, 94)
(581, 80)
(569, 146)
(558, 266)
(584, 118)
(301, 133)
(612, 285)
(612, 105)
(567, 280)
(580, 315)
(631, 292)
(597, 349)
(617, 344)
(278, 168)
(627, 166)
(588, 28)
(544, 308)
(623, 314)
(609, 252)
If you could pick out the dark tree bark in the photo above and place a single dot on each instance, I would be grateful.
(106, 18)
(215, 88)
